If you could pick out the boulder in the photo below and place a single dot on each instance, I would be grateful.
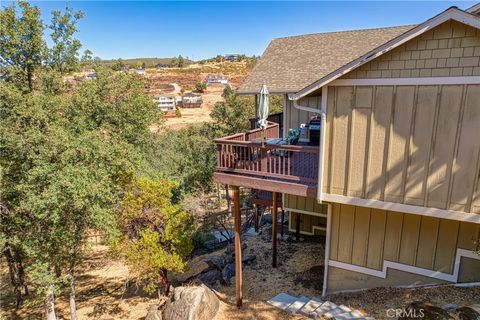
(192, 303)
(154, 313)
(217, 262)
(425, 311)
(248, 258)
(228, 273)
(210, 277)
(267, 218)
(468, 313)
(450, 307)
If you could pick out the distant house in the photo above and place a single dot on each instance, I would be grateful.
(91, 75)
(178, 101)
(216, 78)
(191, 100)
(166, 102)
(141, 71)
(232, 57)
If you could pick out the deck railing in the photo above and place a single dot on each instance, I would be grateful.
(243, 153)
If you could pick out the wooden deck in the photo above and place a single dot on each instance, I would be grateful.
(243, 161)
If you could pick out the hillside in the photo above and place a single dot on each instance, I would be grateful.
(149, 62)
(180, 80)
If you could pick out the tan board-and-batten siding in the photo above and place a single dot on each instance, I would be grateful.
(413, 144)
(313, 216)
(367, 238)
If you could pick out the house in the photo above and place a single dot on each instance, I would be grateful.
(216, 78)
(232, 57)
(166, 102)
(141, 71)
(90, 75)
(393, 185)
(191, 100)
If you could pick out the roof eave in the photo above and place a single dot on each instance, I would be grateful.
(451, 13)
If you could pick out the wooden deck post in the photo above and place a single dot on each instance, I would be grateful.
(238, 245)
(297, 235)
(274, 230)
(283, 221)
(257, 209)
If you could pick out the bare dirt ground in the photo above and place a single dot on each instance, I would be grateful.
(102, 293)
(178, 80)
(102, 296)
(195, 115)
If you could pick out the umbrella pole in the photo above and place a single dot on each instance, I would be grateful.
(263, 137)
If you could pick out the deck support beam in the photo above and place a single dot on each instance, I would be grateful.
(274, 229)
(257, 211)
(283, 221)
(297, 233)
(238, 245)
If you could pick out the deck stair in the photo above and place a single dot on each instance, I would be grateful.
(315, 308)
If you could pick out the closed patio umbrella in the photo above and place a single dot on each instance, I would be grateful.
(263, 109)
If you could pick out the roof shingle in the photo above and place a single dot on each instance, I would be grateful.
(292, 63)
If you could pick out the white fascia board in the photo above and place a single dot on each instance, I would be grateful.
(405, 208)
(407, 81)
(451, 13)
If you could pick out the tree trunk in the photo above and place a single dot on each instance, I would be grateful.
(162, 278)
(58, 270)
(21, 273)
(50, 304)
(17, 274)
(73, 305)
(14, 274)
(30, 78)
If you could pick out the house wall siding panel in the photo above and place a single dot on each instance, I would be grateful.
(465, 163)
(367, 237)
(414, 146)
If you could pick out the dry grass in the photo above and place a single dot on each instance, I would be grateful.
(162, 81)
(101, 293)
(194, 115)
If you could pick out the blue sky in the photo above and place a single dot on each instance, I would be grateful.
(121, 29)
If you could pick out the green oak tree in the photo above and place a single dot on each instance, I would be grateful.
(22, 47)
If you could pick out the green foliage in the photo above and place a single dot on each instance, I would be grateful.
(186, 155)
(232, 115)
(62, 156)
(65, 149)
(87, 57)
(200, 86)
(178, 113)
(22, 47)
(116, 103)
(119, 65)
(178, 62)
(149, 62)
(156, 235)
(64, 53)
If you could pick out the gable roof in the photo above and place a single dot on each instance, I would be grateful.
(292, 63)
(452, 13)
